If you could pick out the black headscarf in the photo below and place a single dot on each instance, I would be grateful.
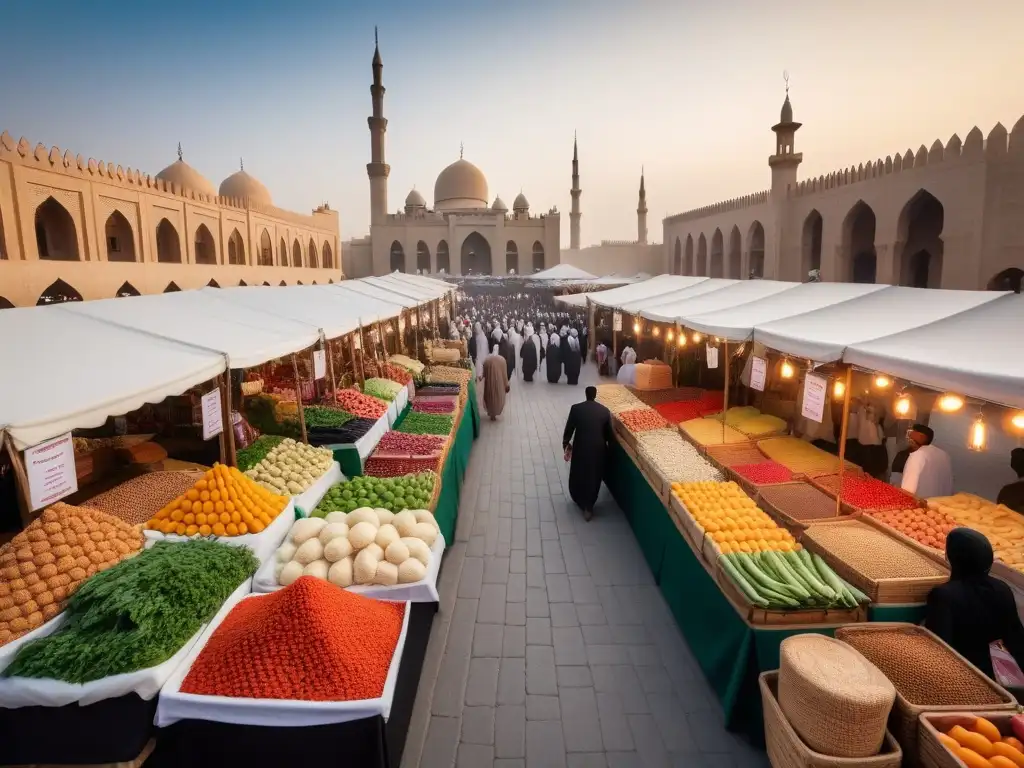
(969, 554)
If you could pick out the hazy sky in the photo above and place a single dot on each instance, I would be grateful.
(688, 90)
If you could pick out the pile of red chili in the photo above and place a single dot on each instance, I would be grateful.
(865, 492)
(311, 641)
(679, 411)
(764, 473)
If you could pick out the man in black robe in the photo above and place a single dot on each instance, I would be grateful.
(588, 433)
(554, 360)
(573, 360)
(506, 350)
(529, 353)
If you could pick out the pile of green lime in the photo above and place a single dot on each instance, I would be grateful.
(394, 493)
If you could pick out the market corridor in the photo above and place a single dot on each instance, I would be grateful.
(553, 645)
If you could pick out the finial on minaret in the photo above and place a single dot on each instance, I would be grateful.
(375, 41)
(241, 164)
(785, 77)
(376, 49)
(462, 148)
(642, 191)
(179, 151)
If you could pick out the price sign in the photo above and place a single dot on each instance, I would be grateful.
(319, 364)
(357, 341)
(815, 396)
(616, 321)
(758, 373)
(50, 467)
(712, 354)
(213, 419)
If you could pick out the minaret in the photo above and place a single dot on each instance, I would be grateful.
(377, 169)
(785, 161)
(641, 213)
(574, 215)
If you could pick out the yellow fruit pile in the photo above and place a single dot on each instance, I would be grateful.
(223, 503)
(1003, 527)
(732, 519)
(798, 455)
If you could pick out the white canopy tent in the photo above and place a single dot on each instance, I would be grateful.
(573, 299)
(405, 288)
(975, 352)
(732, 293)
(561, 272)
(674, 298)
(824, 334)
(737, 323)
(365, 290)
(68, 370)
(203, 319)
(659, 285)
(439, 286)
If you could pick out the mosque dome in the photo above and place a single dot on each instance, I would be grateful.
(499, 205)
(244, 187)
(184, 175)
(415, 200)
(460, 185)
(521, 204)
(787, 111)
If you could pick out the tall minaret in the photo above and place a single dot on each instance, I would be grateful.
(377, 169)
(786, 160)
(574, 215)
(641, 213)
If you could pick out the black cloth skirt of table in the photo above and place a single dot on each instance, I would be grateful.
(370, 742)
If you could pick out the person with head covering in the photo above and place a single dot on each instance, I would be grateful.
(929, 470)
(515, 341)
(574, 361)
(627, 372)
(506, 351)
(563, 333)
(973, 610)
(478, 349)
(554, 359)
(528, 353)
(585, 441)
(1012, 495)
(495, 383)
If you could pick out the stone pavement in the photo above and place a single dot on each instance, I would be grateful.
(553, 645)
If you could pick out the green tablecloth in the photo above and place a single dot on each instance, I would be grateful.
(454, 470)
(349, 460)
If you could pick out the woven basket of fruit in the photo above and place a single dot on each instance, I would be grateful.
(972, 739)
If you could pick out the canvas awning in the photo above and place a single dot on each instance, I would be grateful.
(561, 272)
(659, 285)
(731, 293)
(675, 298)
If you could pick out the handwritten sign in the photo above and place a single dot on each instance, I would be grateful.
(712, 355)
(319, 364)
(213, 419)
(758, 373)
(616, 321)
(50, 467)
(815, 397)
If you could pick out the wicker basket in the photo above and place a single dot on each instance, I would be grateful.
(787, 750)
(835, 699)
(903, 721)
(932, 753)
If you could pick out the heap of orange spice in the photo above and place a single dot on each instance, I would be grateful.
(223, 503)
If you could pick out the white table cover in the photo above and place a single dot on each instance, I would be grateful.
(18, 692)
(174, 705)
(398, 405)
(306, 501)
(423, 591)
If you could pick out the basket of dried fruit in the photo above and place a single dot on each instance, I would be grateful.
(968, 738)
(885, 568)
(929, 677)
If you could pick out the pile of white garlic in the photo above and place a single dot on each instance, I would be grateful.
(291, 467)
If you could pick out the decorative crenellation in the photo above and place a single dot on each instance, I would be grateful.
(735, 204)
(997, 146)
(619, 242)
(77, 166)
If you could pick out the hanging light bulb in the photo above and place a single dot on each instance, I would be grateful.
(839, 389)
(1018, 420)
(883, 382)
(978, 439)
(696, 338)
(636, 327)
(950, 403)
(903, 405)
(682, 339)
(656, 331)
(670, 336)
(787, 371)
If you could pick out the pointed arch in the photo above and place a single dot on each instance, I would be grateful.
(58, 292)
(213, 283)
(755, 237)
(282, 283)
(1008, 280)
(444, 263)
(717, 254)
(314, 282)
(735, 270)
(422, 258)
(56, 234)
(172, 287)
(311, 250)
(298, 282)
(296, 253)
(266, 258)
(688, 257)
(120, 238)
(236, 248)
(5, 303)
(205, 246)
(538, 256)
(266, 284)
(242, 284)
(919, 236)
(168, 244)
(476, 255)
(858, 245)
(677, 258)
(327, 256)
(126, 289)
(511, 257)
(397, 257)
(810, 248)
(3, 247)
(702, 256)
(282, 253)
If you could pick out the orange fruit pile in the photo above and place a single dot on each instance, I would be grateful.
(223, 503)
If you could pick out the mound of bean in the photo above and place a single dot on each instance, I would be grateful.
(642, 419)
(800, 501)
(870, 552)
(925, 672)
(674, 458)
(616, 398)
(137, 500)
(739, 453)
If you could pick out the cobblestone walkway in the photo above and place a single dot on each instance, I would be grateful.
(553, 645)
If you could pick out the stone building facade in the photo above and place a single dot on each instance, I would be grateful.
(73, 229)
(946, 216)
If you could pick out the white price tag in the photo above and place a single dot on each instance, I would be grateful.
(319, 363)
(616, 321)
(357, 341)
(50, 467)
(213, 419)
(758, 373)
(712, 355)
(815, 397)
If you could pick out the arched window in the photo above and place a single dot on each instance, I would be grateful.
(677, 258)
(511, 257)
(242, 284)
(120, 238)
(56, 236)
(213, 283)
(920, 230)
(717, 254)
(422, 258)
(5, 303)
(859, 244)
(57, 293)
(756, 240)
(328, 256)
(282, 283)
(296, 254)
(126, 289)
(811, 246)
(266, 250)
(443, 259)
(3, 247)
(313, 260)
(1008, 280)
(397, 259)
(735, 254)
(688, 257)
(205, 247)
(168, 244)
(236, 248)
(538, 256)
(702, 256)
(282, 253)
(171, 287)
(476, 255)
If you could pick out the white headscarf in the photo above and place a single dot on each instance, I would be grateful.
(574, 343)
(481, 348)
(554, 339)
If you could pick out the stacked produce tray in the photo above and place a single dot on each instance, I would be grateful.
(796, 505)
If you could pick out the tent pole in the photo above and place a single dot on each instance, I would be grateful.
(21, 480)
(330, 364)
(222, 438)
(298, 397)
(225, 399)
(357, 370)
(842, 437)
(591, 329)
(725, 397)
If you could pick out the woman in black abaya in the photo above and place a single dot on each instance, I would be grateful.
(554, 360)
(573, 361)
(529, 354)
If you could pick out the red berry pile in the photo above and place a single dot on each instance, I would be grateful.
(433, 406)
(764, 473)
(865, 492)
(380, 466)
(414, 445)
(679, 411)
(361, 405)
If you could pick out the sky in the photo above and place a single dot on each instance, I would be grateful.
(687, 91)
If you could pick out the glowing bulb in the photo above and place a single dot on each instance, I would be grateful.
(696, 338)
(656, 331)
(1018, 420)
(788, 371)
(979, 435)
(636, 327)
(670, 335)
(682, 339)
(838, 389)
(902, 407)
(883, 382)
(950, 403)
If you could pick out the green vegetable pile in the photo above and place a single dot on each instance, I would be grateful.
(789, 581)
(394, 493)
(261, 413)
(139, 613)
(257, 452)
(383, 389)
(417, 423)
(321, 416)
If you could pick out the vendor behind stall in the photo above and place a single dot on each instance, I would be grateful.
(973, 610)
(929, 471)
(1012, 495)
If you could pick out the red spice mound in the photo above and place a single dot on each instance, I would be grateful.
(642, 419)
(386, 466)
(712, 400)
(865, 492)
(679, 411)
(311, 641)
(764, 472)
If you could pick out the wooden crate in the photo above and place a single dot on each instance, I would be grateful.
(932, 753)
(625, 436)
(700, 542)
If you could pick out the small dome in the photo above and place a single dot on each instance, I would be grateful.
(460, 185)
(521, 203)
(787, 111)
(499, 205)
(184, 175)
(244, 187)
(415, 200)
